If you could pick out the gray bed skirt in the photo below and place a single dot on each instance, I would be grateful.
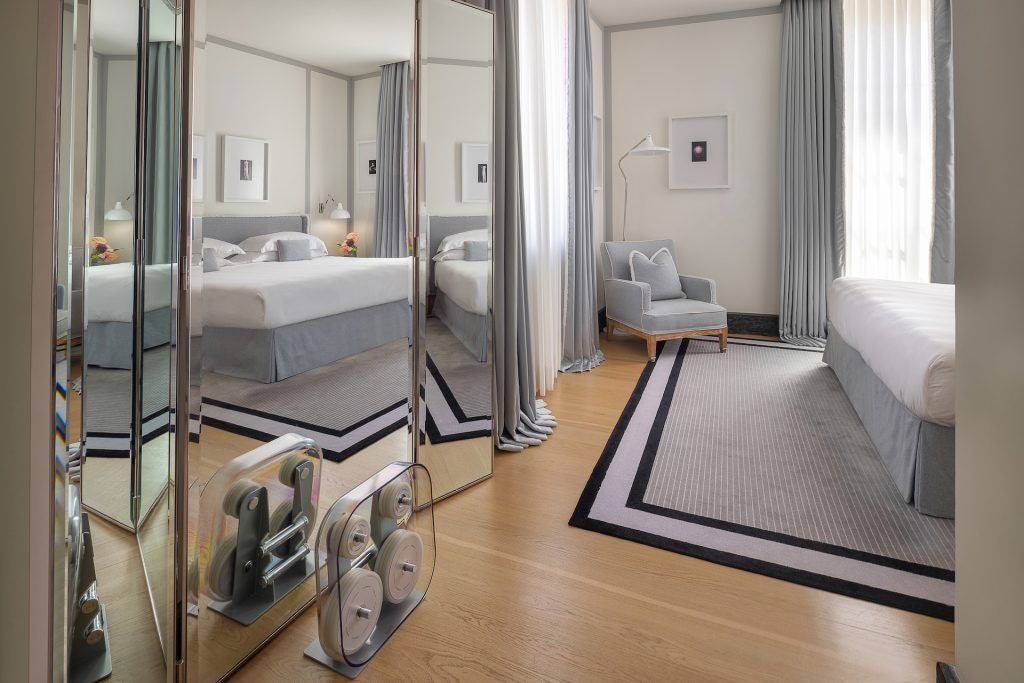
(109, 344)
(474, 331)
(273, 355)
(918, 454)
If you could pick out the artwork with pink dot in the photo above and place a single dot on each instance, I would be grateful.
(699, 150)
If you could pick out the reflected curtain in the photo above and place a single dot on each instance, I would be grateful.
(390, 232)
(811, 165)
(520, 419)
(942, 246)
(581, 350)
(161, 153)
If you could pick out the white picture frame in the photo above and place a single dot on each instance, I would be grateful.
(692, 137)
(598, 153)
(198, 167)
(476, 172)
(245, 169)
(366, 167)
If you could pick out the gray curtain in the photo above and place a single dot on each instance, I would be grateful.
(390, 232)
(161, 153)
(580, 348)
(811, 165)
(519, 420)
(943, 233)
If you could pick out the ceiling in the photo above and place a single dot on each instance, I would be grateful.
(115, 25)
(612, 12)
(350, 37)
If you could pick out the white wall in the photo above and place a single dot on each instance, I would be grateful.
(243, 94)
(457, 108)
(364, 116)
(118, 139)
(731, 66)
(990, 329)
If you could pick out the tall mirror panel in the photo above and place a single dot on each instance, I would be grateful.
(456, 128)
(301, 284)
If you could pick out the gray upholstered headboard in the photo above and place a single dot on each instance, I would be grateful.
(439, 227)
(235, 229)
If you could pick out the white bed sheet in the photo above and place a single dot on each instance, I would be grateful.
(467, 283)
(111, 290)
(905, 331)
(267, 295)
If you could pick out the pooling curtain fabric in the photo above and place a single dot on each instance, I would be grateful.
(811, 167)
(942, 249)
(580, 347)
(161, 153)
(544, 106)
(390, 234)
(890, 162)
(520, 419)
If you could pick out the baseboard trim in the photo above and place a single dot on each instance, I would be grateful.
(753, 324)
(946, 673)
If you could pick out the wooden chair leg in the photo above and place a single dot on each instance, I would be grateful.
(723, 340)
(609, 330)
(652, 348)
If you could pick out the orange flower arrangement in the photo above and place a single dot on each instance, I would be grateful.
(348, 247)
(100, 251)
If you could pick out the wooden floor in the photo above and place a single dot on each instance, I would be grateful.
(519, 595)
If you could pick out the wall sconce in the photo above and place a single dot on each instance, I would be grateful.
(119, 213)
(340, 213)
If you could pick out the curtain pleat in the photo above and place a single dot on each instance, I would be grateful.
(810, 173)
(390, 231)
(890, 139)
(942, 246)
(161, 153)
(581, 350)
(520, 419)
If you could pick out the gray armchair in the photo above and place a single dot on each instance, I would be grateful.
(629, 307)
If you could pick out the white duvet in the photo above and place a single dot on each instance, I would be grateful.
(467, 283)
(272, 294)
(905, 331)
(111, 290)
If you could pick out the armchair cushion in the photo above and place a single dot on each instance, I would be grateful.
(679, 315)
(659, 271)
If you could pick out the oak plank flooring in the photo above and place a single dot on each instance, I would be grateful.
(519, 595)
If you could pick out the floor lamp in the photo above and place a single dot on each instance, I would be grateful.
(644, 148)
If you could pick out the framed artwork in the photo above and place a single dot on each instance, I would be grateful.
(198, 167)
(598, 152)
(476, 172)
(246, 162)
(701, 157)
(366, 166)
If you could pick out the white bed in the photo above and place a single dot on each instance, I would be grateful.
(268, 295)
(467, 283)
(892, 346)
(110, 314)
(905, 331)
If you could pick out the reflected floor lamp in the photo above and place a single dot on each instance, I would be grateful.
(644, 148)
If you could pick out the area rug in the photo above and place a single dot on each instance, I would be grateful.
(457, 391)
(755, 459)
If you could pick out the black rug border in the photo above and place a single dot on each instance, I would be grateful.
(581, 519)
(449, 395)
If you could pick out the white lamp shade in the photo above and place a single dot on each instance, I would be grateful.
(340, 213)
(647, 148)
(118, 213)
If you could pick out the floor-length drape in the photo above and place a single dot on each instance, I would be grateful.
(520, 420)
(544, 107)
(580, 348)
(811, 165)
(890, 161)
(942, 246)
(390, 232)
(161, 153)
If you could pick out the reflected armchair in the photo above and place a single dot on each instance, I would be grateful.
(629, 307)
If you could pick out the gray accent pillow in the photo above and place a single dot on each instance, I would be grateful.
(210, 263)
(659, 272)
(293, 250)
(476, 251)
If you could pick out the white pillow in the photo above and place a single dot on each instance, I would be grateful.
(264, 244)
(223, 249)
(457, 240)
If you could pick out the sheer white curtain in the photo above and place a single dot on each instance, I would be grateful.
(544, 105)
(889, 138)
